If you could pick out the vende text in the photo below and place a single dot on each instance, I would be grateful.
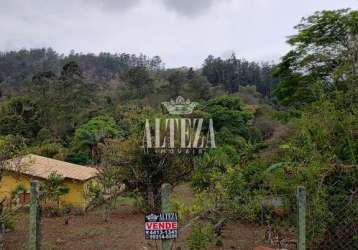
(160, 225)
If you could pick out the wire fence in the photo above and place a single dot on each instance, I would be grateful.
(265, 220)
(310, 220)
(328, 222)
(53, 208)
(333, 226)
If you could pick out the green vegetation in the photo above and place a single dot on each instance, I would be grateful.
(276, 127)
(105, 190)
(53, 188)
(201, 237)
(90, 135)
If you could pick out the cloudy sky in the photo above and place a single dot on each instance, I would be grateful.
(181, 32)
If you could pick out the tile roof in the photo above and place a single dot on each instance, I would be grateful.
(39, 166)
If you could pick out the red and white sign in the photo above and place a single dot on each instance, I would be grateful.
(161, 225)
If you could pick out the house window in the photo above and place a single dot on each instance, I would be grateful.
(24, 198)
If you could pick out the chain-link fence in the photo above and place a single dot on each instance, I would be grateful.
(314, 220)
(262, 220)
(333, 225)
(53, 208)
(332, 211)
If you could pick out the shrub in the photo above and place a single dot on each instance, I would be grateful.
(9, 219)
(78, 158)
(51, 150)
(202, 236)
(53, 189)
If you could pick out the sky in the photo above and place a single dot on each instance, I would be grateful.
(181, 32)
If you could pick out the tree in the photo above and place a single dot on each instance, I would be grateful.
(41, 83)
(176, 81)
(190, 74)
(323, 59)
(233, 137)
(107, 187)
(139, 81)
(144, 173)
(232, 73)
(18, 66)
(228, 112)
(197, 88)
(41, 91)
(131, 118)
(213, 69)
(74, 96)
(64, 101)
(11, 150)
(20, 116)
(318, 77)
(53, 188)
(90, 135)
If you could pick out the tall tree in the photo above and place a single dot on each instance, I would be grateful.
(90, 135)
(232, 73)
(176, 81)
(324, 58)
(20, 116)
(139, 81)
(75, 94)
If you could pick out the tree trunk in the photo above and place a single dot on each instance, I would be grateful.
(150, 194)
(106, 212)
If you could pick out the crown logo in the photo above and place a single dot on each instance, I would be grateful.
(151, 217)
(180, 106)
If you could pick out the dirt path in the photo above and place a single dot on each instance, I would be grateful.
(124, 231)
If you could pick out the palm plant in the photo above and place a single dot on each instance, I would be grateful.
(53, 188)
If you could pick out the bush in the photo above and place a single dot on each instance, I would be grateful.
(78, 158)
(9, 219)
(202, 236)
(51, 150)
(44, 136)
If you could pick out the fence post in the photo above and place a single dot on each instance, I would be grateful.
(165, 196)
(301, 220)
(35, 230)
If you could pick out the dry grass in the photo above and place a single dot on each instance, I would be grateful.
(125, 230)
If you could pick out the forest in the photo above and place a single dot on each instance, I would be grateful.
(277, 125)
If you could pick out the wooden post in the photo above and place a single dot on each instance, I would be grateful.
(2, 226)
(165, 196)
(35, 231)
(301, 220)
